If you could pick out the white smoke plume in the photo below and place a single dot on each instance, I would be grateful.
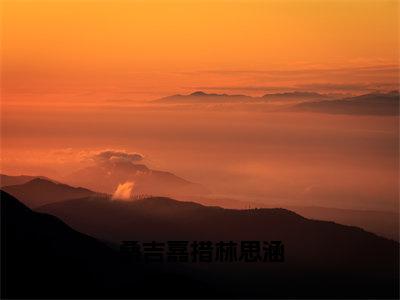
(124, 191)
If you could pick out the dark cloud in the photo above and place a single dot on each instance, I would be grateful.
(117, 156)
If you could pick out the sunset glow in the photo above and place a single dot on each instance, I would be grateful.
(156, 48)
(200, 149)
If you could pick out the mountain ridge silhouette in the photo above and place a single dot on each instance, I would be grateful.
(368, 267)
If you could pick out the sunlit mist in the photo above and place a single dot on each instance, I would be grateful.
(124, 191)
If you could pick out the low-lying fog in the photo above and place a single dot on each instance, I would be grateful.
(275, 158)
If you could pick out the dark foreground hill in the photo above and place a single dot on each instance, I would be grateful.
(323, 259)
(38, 191)
(41, 257)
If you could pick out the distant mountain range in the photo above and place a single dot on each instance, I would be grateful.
(202, 97)
(368, 104)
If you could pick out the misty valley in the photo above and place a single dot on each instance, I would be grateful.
(211, 168)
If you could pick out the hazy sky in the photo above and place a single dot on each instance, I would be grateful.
(142, 49)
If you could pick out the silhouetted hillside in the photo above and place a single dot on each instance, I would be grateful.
(382, 223)
(44, 258)
(322, 259)
(340, 255)
(39, 191)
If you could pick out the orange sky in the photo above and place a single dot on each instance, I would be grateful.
(143, 49)
(113, 52)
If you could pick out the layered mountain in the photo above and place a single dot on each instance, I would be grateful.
(201, 97)
(38, 191)
(309, 242)
(368, 104)
(20, 179)
(322, 259)
(339, 261)
(105, 177)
